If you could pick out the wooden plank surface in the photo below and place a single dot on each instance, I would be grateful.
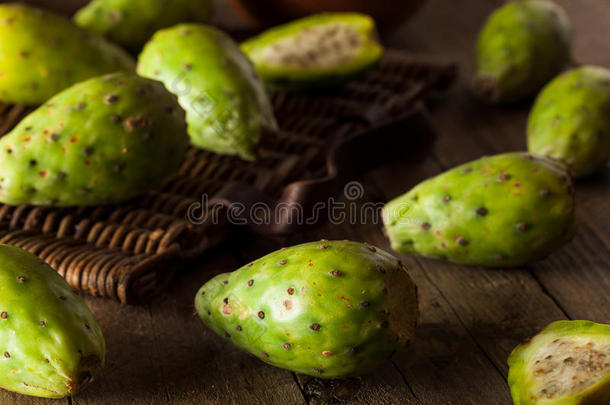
(471, 317)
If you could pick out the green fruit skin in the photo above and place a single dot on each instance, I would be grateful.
(226, 106)
(499, 211)
(50, 343)
(522, 46)
(519, 365)
(132, 22)
(292, 311)
(570, 120)
(292, 78)
(104, 140)
(42, 53)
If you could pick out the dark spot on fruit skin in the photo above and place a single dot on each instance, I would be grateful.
(250, 282)
(116, 119)
(466, 170)
(4, 315)
(482, 211)
(504, 177)
(352, 350)
(365, 304)
(461, 241)
(283, 262)
(290, 291)
(42, 323)
(265, 354)
(135, 123)
(188, 66)
(239, 328)
(323, 247)
(33, 162)
(287, 346)
(314, 326)
(7, 355)
(9, 150)
(261, 314)
(54, 137)
(61, 297)
(111, 99)
(118, 168)
(61, 175)
(327, 353)
(425, 226)
(79, 106)
(21, 279)
(522, 227)
(544, 193)
(87, 151)
(381, 269)
(335, 273)
(371, 247)
(447, 198)
(226, 300)
(318, 371)
(227, 335)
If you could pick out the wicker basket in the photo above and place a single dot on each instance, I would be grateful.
(131, 251)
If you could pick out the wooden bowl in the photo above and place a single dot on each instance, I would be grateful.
(264, 13)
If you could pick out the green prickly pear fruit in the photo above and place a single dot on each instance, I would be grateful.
(42, 53)
(226, 106)
(104, 140)
(522, 46)
(132, 22)
(568, 363)
(498, 211)
(321, 50)
(329, 309)
(570, 120)
(50, 344)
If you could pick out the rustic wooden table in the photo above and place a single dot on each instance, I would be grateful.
(471, 317)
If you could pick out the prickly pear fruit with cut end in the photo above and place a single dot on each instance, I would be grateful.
(132, 22)
(568, 363)
(50, 344)
(503, 210)
(226, 106)
(104, 140)
(42, 53)
(321, 50)
(570, 120)
(522, 46)
(329, 309)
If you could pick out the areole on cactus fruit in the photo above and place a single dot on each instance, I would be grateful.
(568, 363)
(50, 344)
(321, 50)
(500, 211)
(42, 53)
(329, 309)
